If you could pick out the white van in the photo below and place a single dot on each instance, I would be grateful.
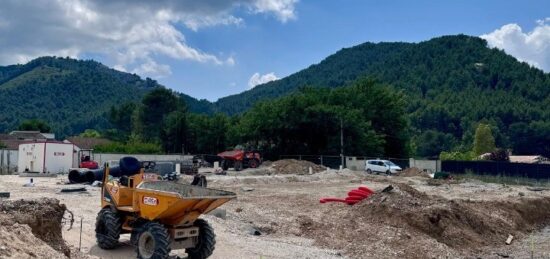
(381, 166)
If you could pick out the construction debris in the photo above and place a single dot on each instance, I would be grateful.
(537, 189)
(81, 189)
(509, 239)
(29, 184)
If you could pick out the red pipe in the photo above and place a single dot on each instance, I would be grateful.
(354, 198)
(365, 189)
(358, 193)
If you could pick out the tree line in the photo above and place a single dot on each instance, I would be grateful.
(371, 116)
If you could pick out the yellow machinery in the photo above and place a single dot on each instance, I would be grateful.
(159, 215)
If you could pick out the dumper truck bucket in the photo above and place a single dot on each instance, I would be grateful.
(175, 203)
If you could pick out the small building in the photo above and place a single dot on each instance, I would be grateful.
(13, 139)
(50, 157)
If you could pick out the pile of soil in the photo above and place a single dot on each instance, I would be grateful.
(408, 223)
(293, 166)
(33, 228)
(413, 171)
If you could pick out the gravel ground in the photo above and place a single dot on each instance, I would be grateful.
(272, 204)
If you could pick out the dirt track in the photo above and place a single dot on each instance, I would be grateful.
(283, 207)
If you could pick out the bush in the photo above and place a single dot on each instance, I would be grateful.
(458, 156)
(129, 148)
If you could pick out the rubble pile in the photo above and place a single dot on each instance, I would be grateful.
(293, 166)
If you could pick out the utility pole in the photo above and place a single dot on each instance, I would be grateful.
(342, 142)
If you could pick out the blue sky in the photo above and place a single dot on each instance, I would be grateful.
(263, 44)
(210, 49)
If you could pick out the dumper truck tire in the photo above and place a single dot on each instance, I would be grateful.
(253, 163)
(153, 241)
(238, 165)
(224, 165)
(107, 228)
(207, 241)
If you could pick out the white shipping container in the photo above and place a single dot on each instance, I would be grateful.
(45, 157)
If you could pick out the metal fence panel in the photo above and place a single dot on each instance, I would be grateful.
(524, 170)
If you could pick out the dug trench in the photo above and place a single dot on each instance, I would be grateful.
(32, 228)
(411, 224)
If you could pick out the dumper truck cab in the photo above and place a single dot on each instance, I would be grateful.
(160, 216)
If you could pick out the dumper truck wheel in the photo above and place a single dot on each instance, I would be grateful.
(107, 228)
(253, 163)
(153, 241)
(224, 165)
(238, 165)
(207, 241)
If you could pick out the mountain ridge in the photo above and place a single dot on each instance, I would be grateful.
(452, 83)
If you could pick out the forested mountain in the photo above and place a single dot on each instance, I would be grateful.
(451, 83)
(68, 94)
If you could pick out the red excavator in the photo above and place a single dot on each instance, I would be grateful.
(240, 159)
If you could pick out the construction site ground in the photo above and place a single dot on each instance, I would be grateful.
(278, 215)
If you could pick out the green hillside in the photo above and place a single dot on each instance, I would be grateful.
(451, 83)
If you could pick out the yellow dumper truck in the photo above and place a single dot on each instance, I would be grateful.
(159, 215)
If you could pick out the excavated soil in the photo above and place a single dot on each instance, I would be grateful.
(32, 228)
(413, 171)
(293, 166)
(410, 224)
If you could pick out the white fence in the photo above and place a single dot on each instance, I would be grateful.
(102, 158)
(430, 166)
(8, 161)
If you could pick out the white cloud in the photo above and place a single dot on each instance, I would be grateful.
(151, 68)
(131, 35)
(283, 9)
(532, 47)
(230, 61)
(257, 79)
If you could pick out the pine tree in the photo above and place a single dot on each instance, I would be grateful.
(484, 142)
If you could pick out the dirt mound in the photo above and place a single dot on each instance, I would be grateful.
(18, 242)
(293, 166)
(406, 222)
(413, 171)
(43, 217)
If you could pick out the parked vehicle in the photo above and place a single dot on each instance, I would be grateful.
(240, 159)
(381, 166)
(87, 161)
